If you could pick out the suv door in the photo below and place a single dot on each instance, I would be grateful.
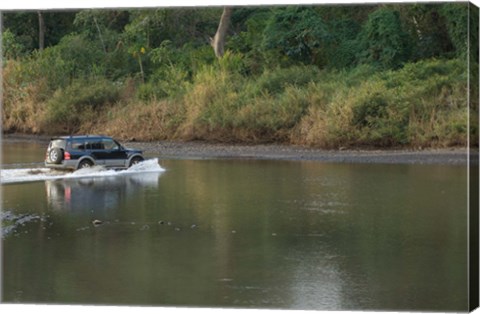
(95, 149)
(115, 155)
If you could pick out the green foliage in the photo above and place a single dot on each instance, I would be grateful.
(24, 25)
(474, 34)
(427, 29)
(181, 26)
(368, 111)
(166, 82)
(456, 15)
(296, 32)
(269, 118)
(84, 58)
(11, 47)
(36, 76)
(275, 81)
(249, 42)
(326, 76)
(342, 49)
(95, 22)
(174, 68)
(423, 104)
(222, 106)
(379, 118)
(232, 62)
(73, 105)
(383, 42)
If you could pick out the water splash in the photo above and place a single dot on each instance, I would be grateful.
(149, 165)
(43, 174)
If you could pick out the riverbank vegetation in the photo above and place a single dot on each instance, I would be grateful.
(323, 76)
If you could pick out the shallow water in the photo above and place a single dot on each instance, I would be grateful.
(239, 233)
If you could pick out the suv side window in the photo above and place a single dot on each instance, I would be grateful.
(110, 144)
(96, 145)
(78, 144)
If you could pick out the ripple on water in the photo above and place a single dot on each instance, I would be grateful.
(11, 221)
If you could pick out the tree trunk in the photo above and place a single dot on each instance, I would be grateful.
(100, 35)
(218, 42)
(41, 31)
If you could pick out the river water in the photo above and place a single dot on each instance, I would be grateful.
(235, 233)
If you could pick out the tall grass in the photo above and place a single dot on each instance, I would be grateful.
(77, 105)
(154, 120)
(422, 104)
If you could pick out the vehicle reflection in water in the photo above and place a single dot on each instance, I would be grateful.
(97, 193)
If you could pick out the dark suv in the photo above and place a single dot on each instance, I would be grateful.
(75, 152)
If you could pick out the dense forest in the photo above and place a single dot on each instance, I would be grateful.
(382, 75)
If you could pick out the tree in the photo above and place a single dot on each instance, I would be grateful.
(456, 15)
(41, 31)
(299, 33)
(218, 41)
(383, 41)
(427, 29)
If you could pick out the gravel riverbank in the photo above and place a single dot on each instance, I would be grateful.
(202, 150)
(194, 150)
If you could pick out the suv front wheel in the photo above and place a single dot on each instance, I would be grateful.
(85, 164)
(135, 160)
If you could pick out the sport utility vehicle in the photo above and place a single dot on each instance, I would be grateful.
(75, 152)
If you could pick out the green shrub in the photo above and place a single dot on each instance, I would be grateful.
(277, 80)
(232, 62)
(369, 110)
(166, 82)
(76, 104)
(84, 56)
(222, 106)
(55, 67)
(423, 104)
(267, 118)
(11, 46)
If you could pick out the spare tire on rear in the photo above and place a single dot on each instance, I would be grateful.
(56, 155)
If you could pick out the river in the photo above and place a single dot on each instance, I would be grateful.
(236, 234)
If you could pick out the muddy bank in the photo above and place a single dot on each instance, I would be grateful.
(203, 150)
